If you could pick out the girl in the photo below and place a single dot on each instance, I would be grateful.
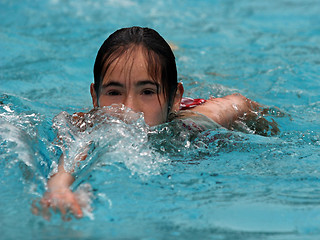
(136, 67)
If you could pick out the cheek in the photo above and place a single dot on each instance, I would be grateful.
(106, 101)
(102, 102)
(155, 114)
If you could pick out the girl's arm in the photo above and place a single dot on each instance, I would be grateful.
(59, 195)
(231, 110)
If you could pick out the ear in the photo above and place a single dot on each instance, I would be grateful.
(177, 98)
(93, 95)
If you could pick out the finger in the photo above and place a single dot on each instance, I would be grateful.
(44, 210)
(46, 213)
(44, 202)
(62, 208)
(54, 208)
(66, 217)
(34, 208)
(65, 209)
(76, 209)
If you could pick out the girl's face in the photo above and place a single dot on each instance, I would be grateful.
(127, 82)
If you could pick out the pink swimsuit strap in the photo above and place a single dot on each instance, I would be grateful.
(187, 103)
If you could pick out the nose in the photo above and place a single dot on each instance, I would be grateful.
(131, 102)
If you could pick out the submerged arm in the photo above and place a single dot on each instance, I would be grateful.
(61, 179)
(59, 195)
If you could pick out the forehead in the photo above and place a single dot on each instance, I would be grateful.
(130, 64)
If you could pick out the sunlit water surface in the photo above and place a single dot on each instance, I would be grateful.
(165, 182)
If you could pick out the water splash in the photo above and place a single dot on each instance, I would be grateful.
(106, 136)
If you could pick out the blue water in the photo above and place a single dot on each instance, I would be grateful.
(215, 185)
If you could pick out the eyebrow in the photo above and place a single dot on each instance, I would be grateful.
(146, 82)
(112, 84)
(138, 84)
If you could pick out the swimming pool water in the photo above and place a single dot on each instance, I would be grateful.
(215, 185)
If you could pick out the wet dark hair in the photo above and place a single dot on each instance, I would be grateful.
(160, 58)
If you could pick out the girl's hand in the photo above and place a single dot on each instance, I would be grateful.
(59, 197)
(63, 200)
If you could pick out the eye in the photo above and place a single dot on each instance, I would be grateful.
(148, 92)
(113, 93)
